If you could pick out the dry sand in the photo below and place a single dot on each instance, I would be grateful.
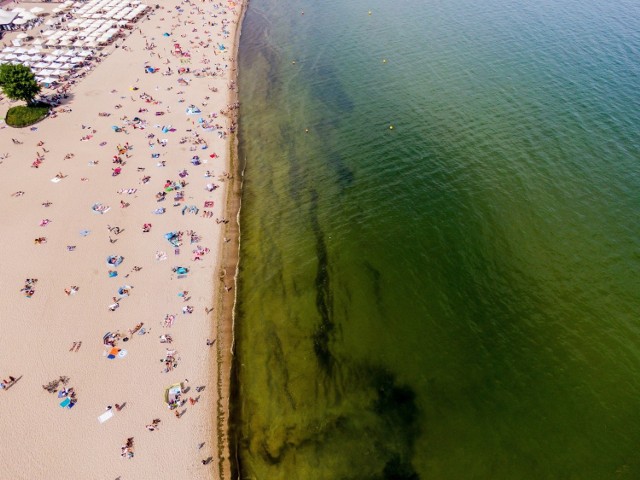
(40, 439)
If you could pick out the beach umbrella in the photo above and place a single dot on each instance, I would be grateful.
(41, 65)
(9, 49)
(76, 60)
(37, 10)
(34, 51)
(20, 50)
(56, 10)
(48, 80)
(23, 57)
(50, 23)
(18, 10)
(20, 21)
(22, 36)
(28, 15)
(50, 58)
(11, 56)
(46, 72)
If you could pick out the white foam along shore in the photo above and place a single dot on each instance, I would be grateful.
(116, 228)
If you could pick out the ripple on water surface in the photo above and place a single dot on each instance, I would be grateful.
(454, 297)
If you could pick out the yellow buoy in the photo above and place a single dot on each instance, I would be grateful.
(293, 63)
(390, 127)
(384, 60)
(306, 130)
(369, 12)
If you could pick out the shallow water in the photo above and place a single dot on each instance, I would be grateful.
(456, 297)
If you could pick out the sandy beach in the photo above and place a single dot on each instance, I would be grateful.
(120, 248)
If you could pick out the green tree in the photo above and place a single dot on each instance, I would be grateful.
(18, 82)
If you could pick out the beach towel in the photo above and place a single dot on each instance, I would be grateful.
(105, 416)
(100, 208)
(65, 403)
(112, 353)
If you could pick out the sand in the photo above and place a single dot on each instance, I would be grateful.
(41, 439)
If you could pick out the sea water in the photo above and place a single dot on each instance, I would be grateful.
(440, 259)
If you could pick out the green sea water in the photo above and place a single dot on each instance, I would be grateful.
(456, 297)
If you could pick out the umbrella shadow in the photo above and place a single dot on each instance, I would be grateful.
(65, 98)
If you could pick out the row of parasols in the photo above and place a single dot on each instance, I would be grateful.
(46, 67)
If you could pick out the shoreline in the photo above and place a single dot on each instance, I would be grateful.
(171, 447)
(230, 260)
